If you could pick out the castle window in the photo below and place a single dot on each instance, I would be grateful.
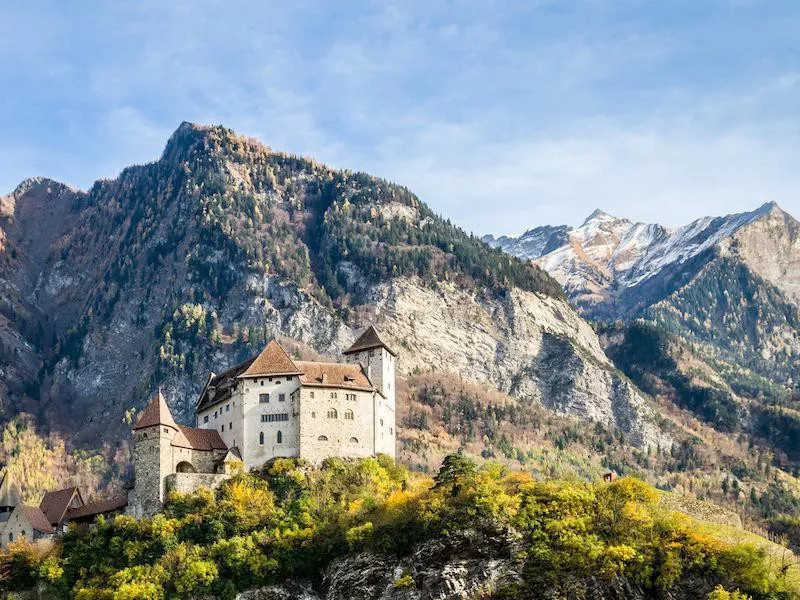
(277, 382)
(261, 438)
(205, 419)
(281, 397)
(348, 415)
(311, 394)
(11, 537)
(333, 395)
(279, 437)
(313, 414)
(350, 397)
(322, 438)
(275, 418)
(166, 430)
(227, 408)
(332, 414)
(262, 382)
(215, 414)
(230, 426)
(270, 379)
(381, 422)
(353, 440)
(391, 432)
(263, 398)
(223, 428)
(372, 352)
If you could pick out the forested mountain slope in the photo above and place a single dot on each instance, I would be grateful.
(186, 265)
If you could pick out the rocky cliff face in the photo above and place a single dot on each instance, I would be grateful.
(188, 264)
(466, 566)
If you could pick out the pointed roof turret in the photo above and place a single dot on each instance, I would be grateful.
(368, 340)
(156, 413)
(272, 361)
(9, 493)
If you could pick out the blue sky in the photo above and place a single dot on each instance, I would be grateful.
(502, 115)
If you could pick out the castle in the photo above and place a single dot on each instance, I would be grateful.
(266, 407)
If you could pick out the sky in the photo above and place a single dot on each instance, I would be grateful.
(501, 115)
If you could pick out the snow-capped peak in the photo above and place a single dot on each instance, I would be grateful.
(599, 215)
(606, 254)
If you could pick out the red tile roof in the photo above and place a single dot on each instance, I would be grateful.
(37, 519)
(198, 439)
(54, 505)
(98, 508)
(368, 340)
(341, 375)
(156, 413)
(273, 360)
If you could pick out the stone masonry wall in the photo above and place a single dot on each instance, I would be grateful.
(189, 482)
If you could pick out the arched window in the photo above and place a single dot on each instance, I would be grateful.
(332, 414)
(353, 440)
(280, 437)
(322, 438)
(348, 415)
(185, 467)
(261, 438)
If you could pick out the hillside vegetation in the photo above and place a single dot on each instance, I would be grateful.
(290, 522)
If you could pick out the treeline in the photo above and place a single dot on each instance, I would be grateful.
(290, 521)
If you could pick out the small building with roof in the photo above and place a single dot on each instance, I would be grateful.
(26, 523)
(56, 504)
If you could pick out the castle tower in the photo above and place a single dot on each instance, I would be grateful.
(152, 457)
(379, 361)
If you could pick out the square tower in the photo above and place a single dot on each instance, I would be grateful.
(152, 457)
(379, 361)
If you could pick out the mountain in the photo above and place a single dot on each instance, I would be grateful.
(729, 285)
(188, 264)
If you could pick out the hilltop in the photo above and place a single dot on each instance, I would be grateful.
(369, 529)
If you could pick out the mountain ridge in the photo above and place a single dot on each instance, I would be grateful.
(179, 266)
(728, 286)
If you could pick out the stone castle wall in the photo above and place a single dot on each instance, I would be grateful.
(186, 483)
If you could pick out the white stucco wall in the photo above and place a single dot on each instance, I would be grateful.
(345, 437)
(239, 418)
(243, 420)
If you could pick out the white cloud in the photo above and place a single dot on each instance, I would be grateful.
(501, 115)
